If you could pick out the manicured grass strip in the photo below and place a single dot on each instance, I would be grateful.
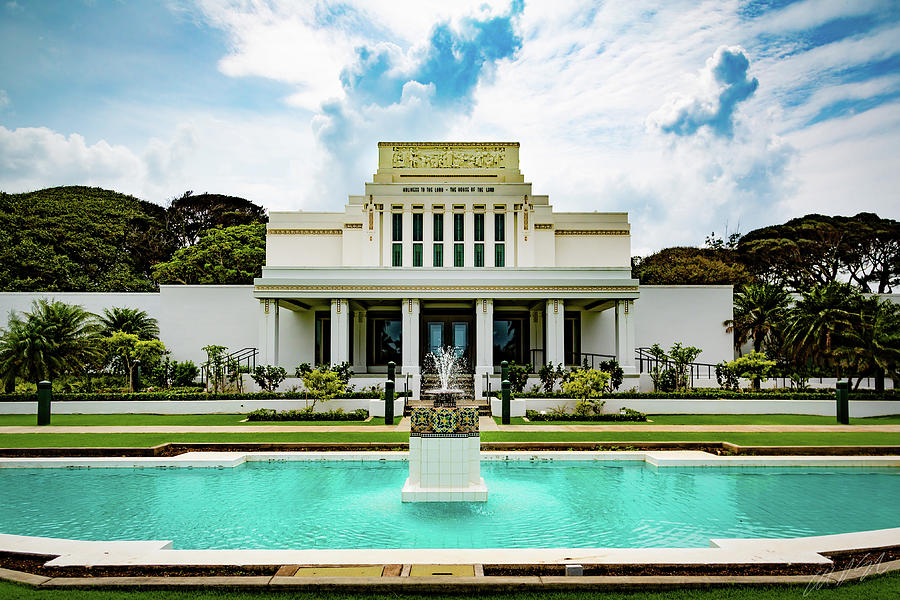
(140, 420)
(875, 587)
(118, 440)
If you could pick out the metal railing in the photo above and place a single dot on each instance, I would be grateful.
(240, 361)
(572, 359)
(696, 370)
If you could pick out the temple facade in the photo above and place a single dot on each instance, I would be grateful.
(447, 246)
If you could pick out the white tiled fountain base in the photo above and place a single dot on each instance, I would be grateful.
(444, 469)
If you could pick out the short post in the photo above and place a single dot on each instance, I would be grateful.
(136, 381)
(45, 396)
(504, 370)
(504, 418)
(389, 402)
(842, 394)
(392, 368)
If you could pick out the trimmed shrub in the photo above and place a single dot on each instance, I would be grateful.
(269, 414)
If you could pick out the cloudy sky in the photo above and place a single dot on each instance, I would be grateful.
(692, 116)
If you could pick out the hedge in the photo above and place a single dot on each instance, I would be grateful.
(158, 396)
(268, 414)
(625, 415)
(716, 394)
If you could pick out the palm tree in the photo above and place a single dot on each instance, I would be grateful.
(53, 339)
(873, 344)
(759, 310)
(819, 322)
(130, 320)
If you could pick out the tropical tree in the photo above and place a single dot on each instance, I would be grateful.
(873, 344)
(230, 255)
(819, 322)
(759, 310)
(126, 349)
(53, 339)
(129, 320)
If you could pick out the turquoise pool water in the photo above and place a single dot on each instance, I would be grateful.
(357, 505)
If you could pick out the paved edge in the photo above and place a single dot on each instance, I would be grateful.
(437, 583)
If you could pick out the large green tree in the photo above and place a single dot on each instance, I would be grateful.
(230, 255)
(820, 322)
(872, 344)
(691, 266)
(188, 216)
(52, 340)
(129, 320)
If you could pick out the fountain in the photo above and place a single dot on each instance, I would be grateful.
(444, 443)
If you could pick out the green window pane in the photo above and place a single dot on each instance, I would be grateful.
(459, 227)
(417, 227)
(458, 255)
(479, 227)
(417, 255)
(500, 227)
(397, 226)
(499, 255)
(438, 255)
(438, 227)
(479, 255)
(397, 255)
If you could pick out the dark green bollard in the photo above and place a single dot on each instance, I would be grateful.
(392, 368)
(504, 395)
(842, 393)
(388, 402)
(136, 381)
(45, 396)
(504, 371)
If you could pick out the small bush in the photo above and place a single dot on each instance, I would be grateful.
(307, 414)
(268, 377)
(626, 415)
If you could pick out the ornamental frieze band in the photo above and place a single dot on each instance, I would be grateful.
(449, 157)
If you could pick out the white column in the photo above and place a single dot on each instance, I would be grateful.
(536, 339)
(360, 347)
(554, 340)
(409, 312)
(625, 335)
(484, 336)
(268, 332)
(340, 331)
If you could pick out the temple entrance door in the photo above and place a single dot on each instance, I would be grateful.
(440, 332)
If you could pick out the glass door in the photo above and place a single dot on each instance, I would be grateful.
(460, 337)
(435, 336)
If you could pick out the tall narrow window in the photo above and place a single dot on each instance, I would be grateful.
(438, 255)
(417, 227)
(397, 226)
(499, 255)
(500, 227)
(458, 255)
(479, 255)
(459, 227)
(417, 255)
(438, 227)
(479, 227)
(397, 255)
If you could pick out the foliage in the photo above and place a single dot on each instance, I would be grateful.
(586, 383)
(127, 349)
(873, 343)
(29, 394)
(53, 339)
(188, 216)
(184, 373)
(307, 414)
(683, 356)
(626, 415)
(216, 365)
(268, 377)
(759, 311)
(755, 366)
(344, 372)
(726, 377)
(817, 250)
(129, 320)
(230, 255)
(323, 384)
(616, 374)
(691, 266)
(817, 321)
(518, 377)
(550, 374)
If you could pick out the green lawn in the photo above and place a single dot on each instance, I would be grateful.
(873, 588)
(32, 440)
(174, 420)
(721, 420)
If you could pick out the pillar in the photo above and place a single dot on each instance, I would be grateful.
(360, 347)
(409, 318)
(268, 332)
(340, 331)
(484, 337)
(554, 338)
(625, 335)
(536, 340)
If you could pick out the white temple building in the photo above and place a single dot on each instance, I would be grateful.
(448, 246)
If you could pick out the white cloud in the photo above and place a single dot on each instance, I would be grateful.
(4, 99)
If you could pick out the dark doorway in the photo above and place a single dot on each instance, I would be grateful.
(511, 337)
(442, 330)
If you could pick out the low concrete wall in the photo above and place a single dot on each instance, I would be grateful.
(180, 407)
(516, 408)
(663, 406)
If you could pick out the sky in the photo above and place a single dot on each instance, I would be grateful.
(692, 116)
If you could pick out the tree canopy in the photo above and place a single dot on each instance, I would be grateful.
(231, 255)
(692, 266)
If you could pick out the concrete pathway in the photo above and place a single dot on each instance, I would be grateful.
(485, 423)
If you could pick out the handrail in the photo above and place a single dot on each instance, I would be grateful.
(240, 358)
